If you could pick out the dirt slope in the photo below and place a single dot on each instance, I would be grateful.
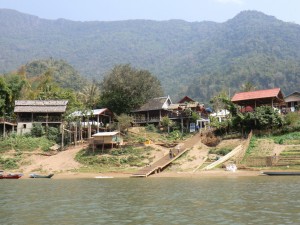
(63, 161)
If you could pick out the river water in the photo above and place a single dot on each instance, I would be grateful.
(204, 200)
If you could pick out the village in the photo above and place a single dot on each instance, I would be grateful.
(96, 131)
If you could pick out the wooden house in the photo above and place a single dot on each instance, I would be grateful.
(152, 112)
(185, 106)
(97, 119)
(292, 102)
(106, 138)
(7, 125)
(46, 112)
(252, 99)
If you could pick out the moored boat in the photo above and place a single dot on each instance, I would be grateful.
(10, 176)
(34, 175)
(282, 173)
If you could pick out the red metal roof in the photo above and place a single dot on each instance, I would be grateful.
(269, 93)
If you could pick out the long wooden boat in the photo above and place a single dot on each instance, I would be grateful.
(282, 173)
(11, 176)
(34, 175)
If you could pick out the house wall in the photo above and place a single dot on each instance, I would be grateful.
(107, 139)
(23, 128)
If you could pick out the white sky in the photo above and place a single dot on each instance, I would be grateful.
(188, 10)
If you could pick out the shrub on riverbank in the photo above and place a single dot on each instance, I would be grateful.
(25, 143)
(121, 157)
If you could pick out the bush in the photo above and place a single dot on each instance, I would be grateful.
(8, 163)
(24, 143)
(292, 119)
(222, 151)
(150, 127)
(287, 138)
(175, 135)
(53, 134)
(37, 130)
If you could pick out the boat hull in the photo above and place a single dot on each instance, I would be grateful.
(41, 176)
(11, 176)
(285, 173)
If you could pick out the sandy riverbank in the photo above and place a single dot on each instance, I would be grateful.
(211, 173)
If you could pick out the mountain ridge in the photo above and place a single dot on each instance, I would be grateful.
(181, 54)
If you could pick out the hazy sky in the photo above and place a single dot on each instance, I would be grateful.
(189, 10)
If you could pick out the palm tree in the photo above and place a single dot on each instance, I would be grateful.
(90, 95)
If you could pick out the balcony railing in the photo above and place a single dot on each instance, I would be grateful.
(41, 119)
(7, 120)
(144, 120)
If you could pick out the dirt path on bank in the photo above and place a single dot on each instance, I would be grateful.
(61, 162)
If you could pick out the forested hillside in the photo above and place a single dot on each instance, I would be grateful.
(196, 59)
(63, 74)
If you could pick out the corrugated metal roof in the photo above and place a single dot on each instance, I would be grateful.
(42, 106)
(269, 93)
(105, 134)
(93, 112)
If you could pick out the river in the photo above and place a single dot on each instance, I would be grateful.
(204, 200)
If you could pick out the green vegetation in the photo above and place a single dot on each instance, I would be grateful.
(9, 163)
(291, 151)
(221, 151)
(126, 88)
(196, 59)
(151, 128)
(263, 118)
(290, 138)
(115, 158)
(25, 143)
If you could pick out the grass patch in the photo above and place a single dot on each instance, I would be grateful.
(25, 143)
(290, 138)
(9, 163)
(115, 158)
(220, 151)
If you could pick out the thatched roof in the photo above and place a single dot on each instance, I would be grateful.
(155, 104)
(294, 97)
(41, 106)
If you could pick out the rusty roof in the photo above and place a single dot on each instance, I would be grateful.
(42, 106)
(260, 94)
(186, 99)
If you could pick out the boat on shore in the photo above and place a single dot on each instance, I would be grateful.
(282, 173)
(34, 175)
(11, 176)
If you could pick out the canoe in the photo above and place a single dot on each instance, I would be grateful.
(11, 176)
(282, 173)
(34, 175)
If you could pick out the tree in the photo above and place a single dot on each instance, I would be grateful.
(266, 117)
(124, 122)
(166, 122)
(217, 101)
(90, 95)
(248, 86)
(126, 88)
(15, 83)
(5, 97)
